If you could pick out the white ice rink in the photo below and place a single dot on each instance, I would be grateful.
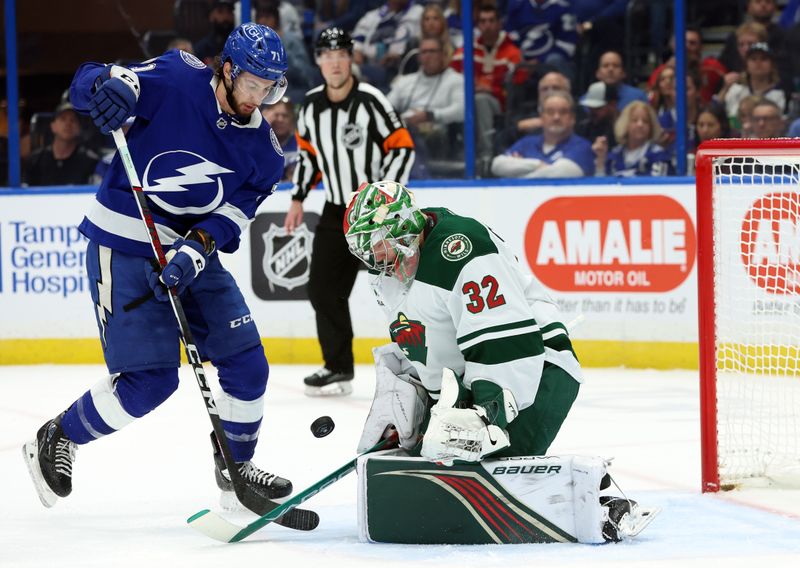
(134, 490)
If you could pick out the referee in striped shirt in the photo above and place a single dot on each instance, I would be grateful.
(347, 133)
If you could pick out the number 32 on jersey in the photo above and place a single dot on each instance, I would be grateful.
(482, 296)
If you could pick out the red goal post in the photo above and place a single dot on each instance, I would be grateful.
(748, 259)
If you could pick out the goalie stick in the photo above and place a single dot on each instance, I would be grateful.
(217, 527)
(300, 519)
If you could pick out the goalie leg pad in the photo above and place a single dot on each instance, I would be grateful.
(400, 400)
(497, 501)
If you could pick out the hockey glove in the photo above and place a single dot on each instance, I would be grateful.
(186, 260)
(116, 91)
(466, 434)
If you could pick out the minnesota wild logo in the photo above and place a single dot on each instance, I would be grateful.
(410, 336)
(455, 247)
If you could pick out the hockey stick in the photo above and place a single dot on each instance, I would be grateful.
(300, 519)
(217, 527)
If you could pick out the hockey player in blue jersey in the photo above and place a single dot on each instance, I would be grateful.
(207, 159)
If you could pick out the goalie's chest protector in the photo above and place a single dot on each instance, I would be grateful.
(466, 283)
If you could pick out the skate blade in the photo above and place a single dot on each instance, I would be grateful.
(229, 502)
(342, 388)
(30, 451)
(636, 521)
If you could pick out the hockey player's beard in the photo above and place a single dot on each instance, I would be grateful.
(242, 116)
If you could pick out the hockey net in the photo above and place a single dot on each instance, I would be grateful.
(748, 220)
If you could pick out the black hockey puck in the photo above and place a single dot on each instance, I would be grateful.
(322, 426)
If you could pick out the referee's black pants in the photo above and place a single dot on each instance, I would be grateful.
(333, 273)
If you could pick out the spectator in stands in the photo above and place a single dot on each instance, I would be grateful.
(382, 36)
(747, 34)
(610, 71)
(662, 99)
(341, 14)
(281, 118)
(743, 121)
(601, 28)
(601, 104)
(712, 122)
(546, 33)
(434, 24)
(494, 59)
(767, 120)
(638, 153)
(181, 43)
(65, 161)
(220, 18)
(708, 71)
(549, 83)
(760, 78)
(301, 75)
(429, 101)
(556, 153)
(761, 12)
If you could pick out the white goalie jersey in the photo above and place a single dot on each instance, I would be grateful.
(473, 309)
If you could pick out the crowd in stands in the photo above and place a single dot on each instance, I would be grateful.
(554, 94)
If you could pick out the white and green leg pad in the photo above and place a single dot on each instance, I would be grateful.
(496, 501)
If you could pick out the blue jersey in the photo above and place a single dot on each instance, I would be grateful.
(542, 30)
(649, 160)
(199, 166)
(574, 148)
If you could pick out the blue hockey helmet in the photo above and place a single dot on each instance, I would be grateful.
(258, 50)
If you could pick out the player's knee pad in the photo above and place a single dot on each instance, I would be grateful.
(244, 375)
(142, 391)
(243, 378)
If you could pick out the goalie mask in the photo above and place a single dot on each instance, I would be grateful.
(383, 227)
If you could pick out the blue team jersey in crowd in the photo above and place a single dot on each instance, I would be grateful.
(542, 30)
(198, 165)
(649, 160)
(574, 148)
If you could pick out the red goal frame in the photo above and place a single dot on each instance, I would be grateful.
(706, 153)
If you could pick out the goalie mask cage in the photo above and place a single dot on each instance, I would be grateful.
(748, 225)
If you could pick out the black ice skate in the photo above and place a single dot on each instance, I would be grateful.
(49, 457)
(268, 485)
(326, 382)
(626, 518)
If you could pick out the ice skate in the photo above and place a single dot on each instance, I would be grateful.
(265, 484)
(326, 382)
(49, 457)
(626, 518)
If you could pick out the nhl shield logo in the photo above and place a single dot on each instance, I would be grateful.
(287, 258)
(352, 136)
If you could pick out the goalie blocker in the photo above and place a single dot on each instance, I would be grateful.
(545, 499)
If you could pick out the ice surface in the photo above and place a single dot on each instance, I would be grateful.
(134, 490)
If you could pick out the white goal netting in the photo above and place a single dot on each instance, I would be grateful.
(756, 234)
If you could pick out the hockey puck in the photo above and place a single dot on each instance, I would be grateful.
(322, 426)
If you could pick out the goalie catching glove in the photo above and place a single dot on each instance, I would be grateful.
(468, 434)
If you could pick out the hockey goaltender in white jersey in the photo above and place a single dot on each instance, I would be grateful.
(480, 367)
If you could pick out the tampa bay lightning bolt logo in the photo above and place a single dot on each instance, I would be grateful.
(184, 183)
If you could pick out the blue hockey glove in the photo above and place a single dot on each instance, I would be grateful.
(116, 92)
(187, 259)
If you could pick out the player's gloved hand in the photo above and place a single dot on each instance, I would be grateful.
(467, 434)
(186, 259)
(116, 91)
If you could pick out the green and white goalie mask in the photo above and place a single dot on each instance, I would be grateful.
(383, 227)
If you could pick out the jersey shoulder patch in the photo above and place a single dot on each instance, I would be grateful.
(191, 60)
(452, 243)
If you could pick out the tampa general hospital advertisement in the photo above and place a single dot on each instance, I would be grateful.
(620, 260)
